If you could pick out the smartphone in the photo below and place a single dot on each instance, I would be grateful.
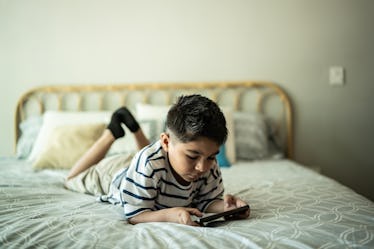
(227, 215)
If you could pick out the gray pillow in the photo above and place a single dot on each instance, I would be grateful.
(29, 132)
(251, 136)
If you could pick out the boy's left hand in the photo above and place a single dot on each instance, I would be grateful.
(231, 202)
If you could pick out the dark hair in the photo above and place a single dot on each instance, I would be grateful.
(194, 116)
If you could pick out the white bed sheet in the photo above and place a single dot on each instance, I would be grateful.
(292, 207)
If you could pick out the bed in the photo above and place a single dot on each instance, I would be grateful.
(292, 206)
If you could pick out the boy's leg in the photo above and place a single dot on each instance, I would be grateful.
(96, 180)
(114, 130)
(94, 154)
(141, 139)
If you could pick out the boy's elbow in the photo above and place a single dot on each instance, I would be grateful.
(132, 221)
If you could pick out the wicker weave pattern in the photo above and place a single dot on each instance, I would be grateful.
(263, 97)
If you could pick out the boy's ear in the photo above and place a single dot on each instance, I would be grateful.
(165, 141)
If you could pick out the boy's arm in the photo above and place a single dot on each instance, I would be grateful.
(180, 215)
(216, 206)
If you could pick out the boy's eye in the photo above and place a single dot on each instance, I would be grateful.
(212, 158)
(192, 157)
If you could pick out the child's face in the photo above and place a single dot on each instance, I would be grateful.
(192, 159)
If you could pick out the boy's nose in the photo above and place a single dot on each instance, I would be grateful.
(202, 166)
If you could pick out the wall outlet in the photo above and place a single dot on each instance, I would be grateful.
(336, 76)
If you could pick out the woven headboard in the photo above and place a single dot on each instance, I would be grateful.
(251, 96)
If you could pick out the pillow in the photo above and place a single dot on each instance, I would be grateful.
(53, 119)
(251, 136)
(221, 157)
(155, 113)
(128, 143)
(158, 113)
(66, 144)
(29, 132)
(230, 149)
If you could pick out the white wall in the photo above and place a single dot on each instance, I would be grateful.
(291, 42)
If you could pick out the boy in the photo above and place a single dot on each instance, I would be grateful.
(169, 180)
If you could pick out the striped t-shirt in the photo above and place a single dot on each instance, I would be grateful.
(148, 184)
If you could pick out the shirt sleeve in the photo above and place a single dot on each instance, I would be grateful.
(211, 189)
(138, 188)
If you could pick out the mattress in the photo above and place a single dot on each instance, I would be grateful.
(291, 207)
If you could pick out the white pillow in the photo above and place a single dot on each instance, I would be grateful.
(128, 143)
(158, 113)
(230, 142)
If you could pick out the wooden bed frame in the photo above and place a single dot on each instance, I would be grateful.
(263, 97)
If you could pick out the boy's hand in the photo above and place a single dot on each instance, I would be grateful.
(182, 215)
(231, 202)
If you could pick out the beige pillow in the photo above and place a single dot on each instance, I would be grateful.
(66, 144)
(53, 119)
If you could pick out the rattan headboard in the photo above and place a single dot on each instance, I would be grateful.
(264, 97)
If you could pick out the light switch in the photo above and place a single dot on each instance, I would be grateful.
(336, 76)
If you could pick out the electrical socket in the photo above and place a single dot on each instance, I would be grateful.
(337, 75)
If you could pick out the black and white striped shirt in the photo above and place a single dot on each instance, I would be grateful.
(148, 184)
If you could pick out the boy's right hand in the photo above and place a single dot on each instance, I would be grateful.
(182, 215)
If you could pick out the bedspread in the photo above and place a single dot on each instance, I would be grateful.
(291, 207)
